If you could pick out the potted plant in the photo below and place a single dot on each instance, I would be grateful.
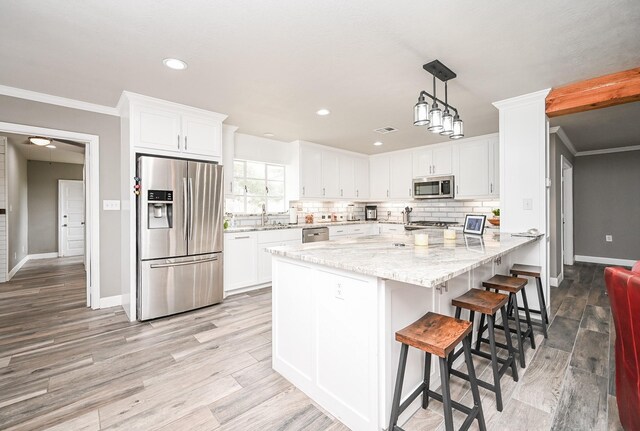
(495, 220)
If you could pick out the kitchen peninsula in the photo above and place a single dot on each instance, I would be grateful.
(337, 305)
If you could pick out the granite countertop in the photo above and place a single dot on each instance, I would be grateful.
(302, 225)
(428, 266)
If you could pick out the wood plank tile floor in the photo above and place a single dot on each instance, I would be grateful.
(66, 367)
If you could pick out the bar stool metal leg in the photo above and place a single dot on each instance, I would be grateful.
(512, 300)
(395, 406)
(426, 379)
(494, 363)
(543, 307)
(507, 334)
(527, 315)
(446, 394)
(466, 346)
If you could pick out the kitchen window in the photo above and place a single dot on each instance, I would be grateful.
(254, 184)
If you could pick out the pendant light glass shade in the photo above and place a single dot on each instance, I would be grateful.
(421, 113)
(42, 142)
(435, 119)
(447, 123)
(458, 128)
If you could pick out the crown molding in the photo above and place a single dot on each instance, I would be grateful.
(564, 138)
(608, 151)
(50, 99)
(525, 99)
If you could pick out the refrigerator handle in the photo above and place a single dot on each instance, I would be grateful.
(184, 206)
(190, 209)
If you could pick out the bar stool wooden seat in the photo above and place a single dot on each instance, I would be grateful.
(488, 303)
(534, 272)
(512, 285)
(438, 335)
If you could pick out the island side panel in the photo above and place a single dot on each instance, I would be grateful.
(325, 338)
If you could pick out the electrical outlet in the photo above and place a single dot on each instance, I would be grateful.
(608, 238)
(388, 213)
(108, 205)
(339, 292)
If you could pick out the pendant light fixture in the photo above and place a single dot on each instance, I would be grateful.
(40, 141)
(435, 119)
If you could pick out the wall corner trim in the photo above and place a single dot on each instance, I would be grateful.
(564, 138)
(21, 93)
(605, 260)
(111, 301)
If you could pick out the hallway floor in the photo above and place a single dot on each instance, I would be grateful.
(66, 367)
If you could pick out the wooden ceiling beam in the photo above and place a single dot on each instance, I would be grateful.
(608, 90)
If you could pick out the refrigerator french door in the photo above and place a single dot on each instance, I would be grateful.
(180, 235)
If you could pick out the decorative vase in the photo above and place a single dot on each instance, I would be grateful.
(494, 221)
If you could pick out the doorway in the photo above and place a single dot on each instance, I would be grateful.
(567, 212)
(70, 218)
(91, 239)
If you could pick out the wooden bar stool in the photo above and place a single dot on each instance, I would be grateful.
(488, 303)
(438, 335)
(512, 285)
(534, 272)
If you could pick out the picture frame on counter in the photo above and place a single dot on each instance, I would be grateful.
(474, 224)
(474, 243)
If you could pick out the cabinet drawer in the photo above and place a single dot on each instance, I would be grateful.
(277, 235)
(358, 229)
(338, 231)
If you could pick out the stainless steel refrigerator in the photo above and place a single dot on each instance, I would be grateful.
(180, 235)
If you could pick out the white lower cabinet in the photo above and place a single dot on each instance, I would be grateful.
(386, 228)
(240, 260)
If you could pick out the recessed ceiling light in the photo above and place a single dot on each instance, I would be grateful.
(51, 146)
(377, 143)
(174, 63)
(269, 135)
(323, 112)
(39, 141)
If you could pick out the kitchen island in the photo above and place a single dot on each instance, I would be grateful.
(337, 305)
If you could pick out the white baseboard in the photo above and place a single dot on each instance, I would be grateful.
(246, 289)
(111, 301)
(555, 281)
(605, 260)
(43, 255)
(17, 267)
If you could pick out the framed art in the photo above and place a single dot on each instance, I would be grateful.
(474, 224)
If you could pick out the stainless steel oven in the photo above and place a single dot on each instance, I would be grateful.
(433, 187)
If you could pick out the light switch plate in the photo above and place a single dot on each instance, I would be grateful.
(608, 238)
(110, 205)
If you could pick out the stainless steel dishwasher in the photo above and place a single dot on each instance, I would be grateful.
(315, 234)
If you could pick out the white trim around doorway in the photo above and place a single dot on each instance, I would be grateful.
(92, 198)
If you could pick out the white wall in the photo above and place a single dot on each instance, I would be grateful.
(17, 213)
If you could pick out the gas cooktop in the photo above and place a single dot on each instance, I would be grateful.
(428, 223)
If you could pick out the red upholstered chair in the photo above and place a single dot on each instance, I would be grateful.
(623, 287)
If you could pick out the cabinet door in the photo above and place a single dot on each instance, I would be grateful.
(472, 177)
(361, 166)
(240, 260)
(494, 167)
(310, 172)
(347, 177)
(422, 163)
(330, 174)
(400, 186)
(157, 129)
(442, 160)
(379, 177)
(202, 136)
(264, 258)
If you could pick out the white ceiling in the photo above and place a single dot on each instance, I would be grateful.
(270, 65)
(613, 127)
(63, 153)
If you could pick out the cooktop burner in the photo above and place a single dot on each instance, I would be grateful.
(428, 223)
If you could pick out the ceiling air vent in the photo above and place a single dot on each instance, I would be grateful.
(385, 130)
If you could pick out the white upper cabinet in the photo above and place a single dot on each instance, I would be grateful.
(347, 178)
(330, 174)
(379, 176)
(432, 161)
(361, 166)
(494, 166)
(167, 128)
(474, 167)
(310, 172)
(228, 152)
(400, 178)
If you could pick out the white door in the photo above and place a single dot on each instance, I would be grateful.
(70, 218)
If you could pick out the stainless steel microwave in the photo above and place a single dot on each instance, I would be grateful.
(433, 187)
